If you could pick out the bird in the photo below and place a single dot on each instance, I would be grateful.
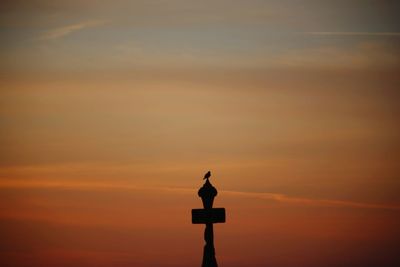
(207, 175)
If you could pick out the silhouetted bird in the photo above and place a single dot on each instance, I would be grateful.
(207, 175)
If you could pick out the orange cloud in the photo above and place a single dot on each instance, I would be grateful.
(282, 198)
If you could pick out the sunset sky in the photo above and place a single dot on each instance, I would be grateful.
(112, 111)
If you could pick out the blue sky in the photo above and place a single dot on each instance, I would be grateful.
(101, 34)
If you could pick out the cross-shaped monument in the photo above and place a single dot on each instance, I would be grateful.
(208, 216)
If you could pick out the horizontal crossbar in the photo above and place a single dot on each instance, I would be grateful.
(203, 216)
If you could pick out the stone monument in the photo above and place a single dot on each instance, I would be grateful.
(208, 216)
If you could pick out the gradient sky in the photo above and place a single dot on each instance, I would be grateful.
(112, 111)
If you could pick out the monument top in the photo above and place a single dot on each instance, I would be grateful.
(207, 193)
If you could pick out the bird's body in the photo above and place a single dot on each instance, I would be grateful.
(207, 175)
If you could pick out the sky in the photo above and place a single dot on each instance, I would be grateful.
(111, 112)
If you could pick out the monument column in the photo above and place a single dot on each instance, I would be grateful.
(208, 216)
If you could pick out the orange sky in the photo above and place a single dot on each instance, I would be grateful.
(111, 113)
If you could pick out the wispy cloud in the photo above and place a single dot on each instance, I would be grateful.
(354, 33)
(68, 29)
(362, 55)
(312, 202)
(277, 197)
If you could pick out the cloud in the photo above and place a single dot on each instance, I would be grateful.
(354, 33)
(66, 30)
(364, 55)
(312, 202)
(277, 197)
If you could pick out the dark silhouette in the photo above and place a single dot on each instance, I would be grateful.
(208, 216)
